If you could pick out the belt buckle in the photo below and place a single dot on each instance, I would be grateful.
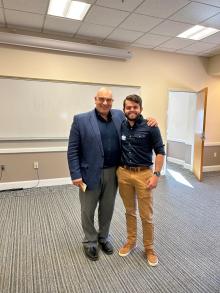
(130, 168)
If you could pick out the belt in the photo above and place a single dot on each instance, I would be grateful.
(135, 169)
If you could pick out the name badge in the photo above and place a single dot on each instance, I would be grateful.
(123, 137)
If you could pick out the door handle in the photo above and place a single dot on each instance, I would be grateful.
(203, 136)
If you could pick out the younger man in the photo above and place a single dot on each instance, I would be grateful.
(135, 176)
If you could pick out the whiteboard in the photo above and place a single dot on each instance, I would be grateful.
(44, 109)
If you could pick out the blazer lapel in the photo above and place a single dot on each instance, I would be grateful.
(95, 127)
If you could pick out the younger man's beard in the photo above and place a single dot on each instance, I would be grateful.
(132, 119)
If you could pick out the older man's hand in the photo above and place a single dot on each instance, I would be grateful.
(152, 122)
(78, 182)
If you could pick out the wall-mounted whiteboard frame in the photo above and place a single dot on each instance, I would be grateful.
(42, 109)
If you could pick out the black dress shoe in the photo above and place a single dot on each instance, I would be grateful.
(91, 252)
(106, 247)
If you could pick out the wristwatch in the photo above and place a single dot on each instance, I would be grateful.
(157, 173)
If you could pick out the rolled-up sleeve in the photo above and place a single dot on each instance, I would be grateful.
(157, 141)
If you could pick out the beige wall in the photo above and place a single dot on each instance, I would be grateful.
(214, 65)
(209, 158)
(19, 167)
(156, 72)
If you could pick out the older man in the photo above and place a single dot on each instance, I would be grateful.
(93, 156)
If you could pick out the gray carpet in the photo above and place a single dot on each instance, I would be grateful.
(41, 251)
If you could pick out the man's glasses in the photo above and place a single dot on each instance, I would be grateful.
(107, 100)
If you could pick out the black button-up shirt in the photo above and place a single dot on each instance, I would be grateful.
(110, 141)
(138, 142)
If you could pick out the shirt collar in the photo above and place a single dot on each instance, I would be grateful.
(98, 115)
(139, 120)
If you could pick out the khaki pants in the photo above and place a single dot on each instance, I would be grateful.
(133, 190)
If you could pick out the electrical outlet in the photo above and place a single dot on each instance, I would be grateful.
(215, 154)
(36, 165)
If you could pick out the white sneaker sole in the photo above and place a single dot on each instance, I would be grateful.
(125, 254)
(152, 264)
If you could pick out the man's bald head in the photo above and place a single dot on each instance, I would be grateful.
(104, 92)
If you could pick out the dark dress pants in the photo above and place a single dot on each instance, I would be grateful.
(103, 197)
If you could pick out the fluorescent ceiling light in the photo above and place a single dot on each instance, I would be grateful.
(69, 9)
(77, 10)
(58, 8)
(198, 32)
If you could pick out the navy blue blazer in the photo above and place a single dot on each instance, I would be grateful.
(85, 151)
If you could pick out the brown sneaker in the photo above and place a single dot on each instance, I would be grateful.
(126, 249)
(151, 257)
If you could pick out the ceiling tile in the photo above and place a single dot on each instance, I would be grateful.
(164, 49)
(182, 51)
(200, 46)
(110, 43)
(2, 21)
(61, 25)
(127, 5)
(138, 22)
(142, 46)
(94, 30)
(170, 28)
(211, 2)
(212, 52)
(124, 35)
(194, 53)
(161, 8)
(152, 40)
(215, 39)
(87, 1)
(213, 21)
(177, 43)
(39, 6)
(105, 16)
(217, 51)
(24, 19)
(195, 12)
(206, 54)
